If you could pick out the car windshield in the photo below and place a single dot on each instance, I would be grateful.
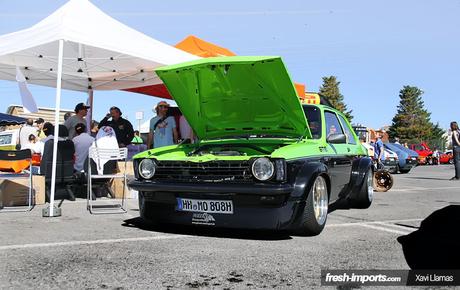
(313, 115)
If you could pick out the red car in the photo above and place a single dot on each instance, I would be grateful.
(446, 157)
(425, 155)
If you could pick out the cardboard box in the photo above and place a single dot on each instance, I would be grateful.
(117, 183)
(15, 192)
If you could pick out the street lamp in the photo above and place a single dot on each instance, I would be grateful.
(139, 118)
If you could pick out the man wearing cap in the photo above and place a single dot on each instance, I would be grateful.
(40, 122)
(163, 129)
(123, 128)
(80, 112)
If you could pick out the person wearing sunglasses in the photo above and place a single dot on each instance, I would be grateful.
(163, 130)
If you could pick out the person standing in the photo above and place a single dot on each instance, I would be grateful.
(163, 131)
(186, 132)
(123, 128)
(26, 130)
(82, 142)
(80, 112)
(379, 150)
(40, 122)
(456, 149)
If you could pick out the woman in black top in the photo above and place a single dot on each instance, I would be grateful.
(456, 149)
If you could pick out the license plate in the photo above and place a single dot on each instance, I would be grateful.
(202, 205)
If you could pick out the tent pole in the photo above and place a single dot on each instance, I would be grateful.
(89, 116)
(51, 212)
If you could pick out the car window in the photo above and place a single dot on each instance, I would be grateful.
(6, 139)
(313, 115)
(419, 147)
(346, 128)
(332, 124)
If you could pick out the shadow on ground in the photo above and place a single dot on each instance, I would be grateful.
(208, 231)
(430, 178)
(436, 245)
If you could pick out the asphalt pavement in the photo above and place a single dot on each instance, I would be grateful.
(83, 251)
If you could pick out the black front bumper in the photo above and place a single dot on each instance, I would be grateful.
(255, 206)
(390, 165)
(410, 163)
(202, 187)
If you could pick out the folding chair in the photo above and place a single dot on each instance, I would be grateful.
(103, 154)
(16, 162)
(65, 177)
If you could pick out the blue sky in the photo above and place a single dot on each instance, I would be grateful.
(373, 47)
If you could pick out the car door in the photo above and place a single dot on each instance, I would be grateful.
(340, 168)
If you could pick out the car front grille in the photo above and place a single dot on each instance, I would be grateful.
(213, 171)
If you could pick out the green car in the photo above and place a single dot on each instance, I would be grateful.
(263, 160)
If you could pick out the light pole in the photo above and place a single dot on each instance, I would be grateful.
(139, 118)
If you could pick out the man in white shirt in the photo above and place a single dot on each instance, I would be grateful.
(82, 142)
(26, 130)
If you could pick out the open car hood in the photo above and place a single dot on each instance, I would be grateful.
(236, 96)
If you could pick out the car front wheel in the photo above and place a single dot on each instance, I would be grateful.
(146, 210)
(316, 208)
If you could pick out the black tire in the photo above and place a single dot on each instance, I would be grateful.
(310, 225)
(146, 210)
(366, 194)
(404, 170)
(451, 161)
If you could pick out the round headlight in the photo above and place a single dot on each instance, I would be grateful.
(147, 168)
(263, 169)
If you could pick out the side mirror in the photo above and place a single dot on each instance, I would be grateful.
(337, 139)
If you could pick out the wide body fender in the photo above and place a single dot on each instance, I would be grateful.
(305, 177)
(360, 166)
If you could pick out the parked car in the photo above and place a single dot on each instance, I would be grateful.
(407, 158)
(446, 157)
(424, 152)
(258, 164)
(391, 161)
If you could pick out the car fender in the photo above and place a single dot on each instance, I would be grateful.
(305, 177)
(359, 169)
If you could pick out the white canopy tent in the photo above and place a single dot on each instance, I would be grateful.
(81, 48)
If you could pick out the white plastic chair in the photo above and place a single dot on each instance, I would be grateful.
(100, 156)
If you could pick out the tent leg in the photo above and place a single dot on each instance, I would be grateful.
(89, 116)
(51, 211)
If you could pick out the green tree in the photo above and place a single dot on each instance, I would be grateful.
(330, 89)
(412, 121)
